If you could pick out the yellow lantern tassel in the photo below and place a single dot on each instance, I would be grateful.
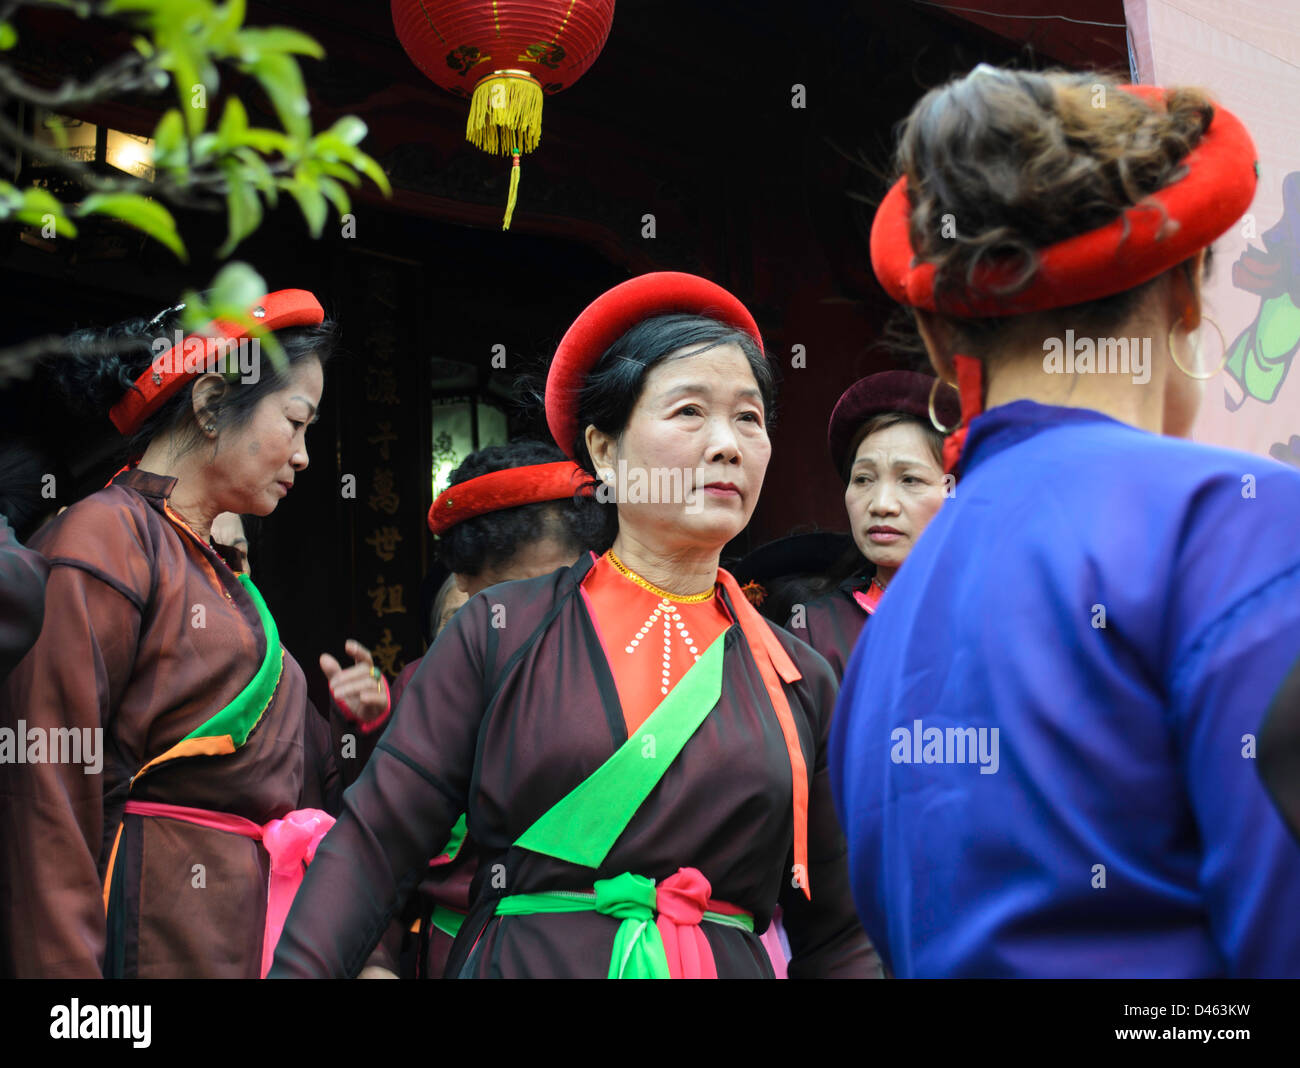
(514, 191)
(505, 113)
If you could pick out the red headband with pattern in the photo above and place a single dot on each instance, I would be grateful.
(1161, 231)
(510, 488)
(170, 370)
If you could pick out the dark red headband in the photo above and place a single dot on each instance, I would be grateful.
(1214, 193)
(613, 314)
(510, 488)
(165, 374)
(888, 391)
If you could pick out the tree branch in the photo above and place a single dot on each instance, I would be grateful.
(18, 361)
(128, 73)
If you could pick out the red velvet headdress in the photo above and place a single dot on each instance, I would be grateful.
(613, 314)
(165, 374)
(510, 488)
(1149, 238)
(889, 391)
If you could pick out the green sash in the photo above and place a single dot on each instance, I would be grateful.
(239, 717)
(228, 729)
(583, 826)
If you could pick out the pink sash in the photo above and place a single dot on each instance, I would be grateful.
(290, 842)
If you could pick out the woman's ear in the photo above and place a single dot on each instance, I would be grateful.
(601, 447)
(206, 400)
(938, 343)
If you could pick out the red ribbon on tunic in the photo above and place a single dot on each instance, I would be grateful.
(970, 386)
(291, 843)
(681, 901)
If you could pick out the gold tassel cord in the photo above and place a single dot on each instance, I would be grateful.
(505, 114)
(514, 191)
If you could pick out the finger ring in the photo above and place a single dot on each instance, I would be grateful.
(379, 687)
(374, 672)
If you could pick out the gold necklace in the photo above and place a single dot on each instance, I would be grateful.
(628, 573)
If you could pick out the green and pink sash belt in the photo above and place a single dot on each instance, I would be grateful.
(660, 936)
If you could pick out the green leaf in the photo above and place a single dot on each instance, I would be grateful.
(268, 141)
(373, 171)
(139, 7)
(36, 206)
(202, 147)
(337, 170)
(282, 80)
(349, 129)
(8, 36)
(328, 146)
(235, 289)
(230, 17)
(242, 204)
(255, 43)
(184, 67)
(234, 124)
(258, 173)
(169, 140)
(338, 196)
(304, 189)
(141, 212)
(231, 296)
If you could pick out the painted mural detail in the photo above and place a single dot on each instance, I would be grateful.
(1261, 356)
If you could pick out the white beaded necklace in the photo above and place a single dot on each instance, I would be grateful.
(666, 611)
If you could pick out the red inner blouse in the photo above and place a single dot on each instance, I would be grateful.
(650, 640)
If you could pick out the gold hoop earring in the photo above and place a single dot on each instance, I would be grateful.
(1178, 363)
(934, 417)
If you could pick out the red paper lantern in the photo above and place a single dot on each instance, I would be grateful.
(504, 56)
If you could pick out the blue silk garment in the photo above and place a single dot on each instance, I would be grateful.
(1119, 607)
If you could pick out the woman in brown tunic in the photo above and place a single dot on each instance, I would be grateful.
(147, 858)
(885, 444)
(640, 806)
(510, 512)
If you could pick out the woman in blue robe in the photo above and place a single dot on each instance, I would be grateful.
(1044, 749)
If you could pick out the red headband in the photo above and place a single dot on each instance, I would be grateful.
(510, 488)
(613, 314)
(166, 373)
(1214, 193)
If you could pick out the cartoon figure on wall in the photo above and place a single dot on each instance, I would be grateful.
(1261, 356)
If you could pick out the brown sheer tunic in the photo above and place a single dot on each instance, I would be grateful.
(832, 624)
(147, 634)
(512, 707)
(22, 598)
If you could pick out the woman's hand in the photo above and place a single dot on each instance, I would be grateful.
(360, 690)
